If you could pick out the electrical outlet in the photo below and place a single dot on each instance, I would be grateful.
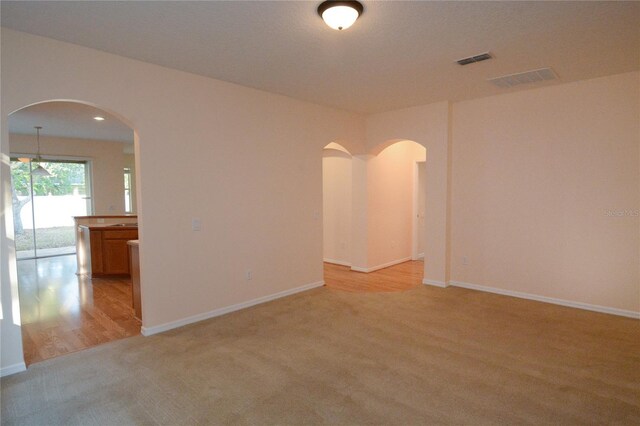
(248, 275)
(100, 220)
(465, 260)
(196, 224)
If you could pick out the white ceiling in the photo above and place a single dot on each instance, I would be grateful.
(69, 120)
(397, 54)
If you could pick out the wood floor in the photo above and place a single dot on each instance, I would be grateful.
(62, 312)
(401, 277)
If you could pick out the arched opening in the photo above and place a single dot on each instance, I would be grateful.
(374, 217)
(74, 205)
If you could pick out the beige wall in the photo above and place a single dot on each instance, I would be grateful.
(390, 189)
(535, 175)
(244, 162)
(336, 206)
(427, 125)
(421, 204)
(107, 164)
(386, 191)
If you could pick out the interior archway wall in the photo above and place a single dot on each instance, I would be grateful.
(390, 179)
(243, 161)
(10, 325)
(379, 225)
(337, 190)
(428, 125)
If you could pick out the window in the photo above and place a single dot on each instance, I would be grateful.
(44, 206)
(128, 200)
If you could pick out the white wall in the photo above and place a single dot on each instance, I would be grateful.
(421, 204)
(428, 125)
(107, 165)
(385, 191)
(336, 193)
(244, 162)
(390, 189)
(536, 174)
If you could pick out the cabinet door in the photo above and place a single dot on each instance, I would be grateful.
(115, 256)
(95, 243)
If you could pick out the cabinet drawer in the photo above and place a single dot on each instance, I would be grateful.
(120, 235)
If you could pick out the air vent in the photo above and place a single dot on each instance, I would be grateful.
(477, 58)
(534, 76)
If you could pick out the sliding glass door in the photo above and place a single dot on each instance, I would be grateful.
(44, 206)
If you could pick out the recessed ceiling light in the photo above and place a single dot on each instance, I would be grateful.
(98, 118)
(340, 15)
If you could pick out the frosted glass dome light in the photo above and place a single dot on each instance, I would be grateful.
(340, 15)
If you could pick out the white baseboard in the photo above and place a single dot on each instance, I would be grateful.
(435, 283)
(148, 331)
(337, 262)
(384, 265)
(13, 369)
(418, 256)
(553, 300)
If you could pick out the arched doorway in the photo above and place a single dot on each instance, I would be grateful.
(373, 208)
(77, 171)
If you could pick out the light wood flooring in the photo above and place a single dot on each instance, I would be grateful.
(401, 277)
(63, 312)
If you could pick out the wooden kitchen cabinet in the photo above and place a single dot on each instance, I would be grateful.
(108, 252)
(100, 220)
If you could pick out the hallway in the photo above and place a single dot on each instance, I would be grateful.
(63, 312)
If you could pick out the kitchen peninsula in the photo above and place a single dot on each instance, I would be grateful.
(103, 249)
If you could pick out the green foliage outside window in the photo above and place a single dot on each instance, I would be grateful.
(64, 179)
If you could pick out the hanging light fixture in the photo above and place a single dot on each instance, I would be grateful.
(39, 171)
(340, 15)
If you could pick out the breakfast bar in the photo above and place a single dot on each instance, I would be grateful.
(104, 250)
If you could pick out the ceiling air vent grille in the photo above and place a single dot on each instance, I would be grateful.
(533, 76)
(477, 58)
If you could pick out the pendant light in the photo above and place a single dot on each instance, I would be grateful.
(340, 15)
(39, 171)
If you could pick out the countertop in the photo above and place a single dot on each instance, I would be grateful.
(103, 226)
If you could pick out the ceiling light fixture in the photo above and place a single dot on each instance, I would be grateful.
(340, 15)
(39, 171)
(98, 118)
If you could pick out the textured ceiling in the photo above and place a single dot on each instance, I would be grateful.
(69, 120)
(397, 54)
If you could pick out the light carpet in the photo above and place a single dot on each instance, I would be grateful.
(424, 356)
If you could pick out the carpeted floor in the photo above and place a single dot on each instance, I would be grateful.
(424, 356)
